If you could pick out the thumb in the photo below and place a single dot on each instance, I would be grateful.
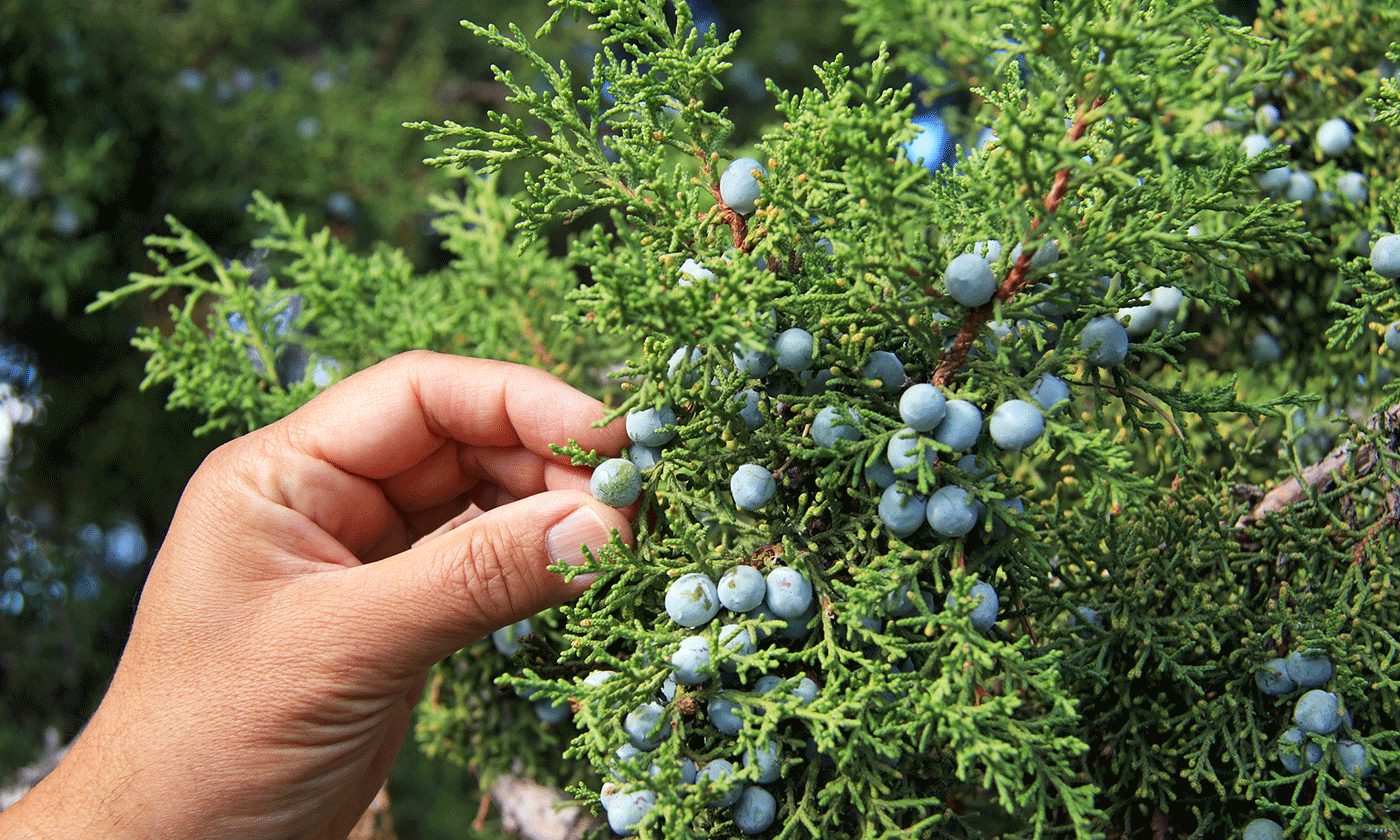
(452, 589)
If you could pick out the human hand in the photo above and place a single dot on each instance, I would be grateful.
(313, 572)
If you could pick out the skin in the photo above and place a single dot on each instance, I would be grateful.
(313, 572)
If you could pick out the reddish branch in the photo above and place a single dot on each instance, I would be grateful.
(1016, 279)
(737, 224)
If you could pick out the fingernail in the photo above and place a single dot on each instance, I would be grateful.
(566, 538)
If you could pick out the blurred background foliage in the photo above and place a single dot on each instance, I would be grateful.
(117, 115)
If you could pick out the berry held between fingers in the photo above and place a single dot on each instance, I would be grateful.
(616, 482)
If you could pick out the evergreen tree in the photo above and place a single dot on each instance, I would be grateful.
(1000, 436)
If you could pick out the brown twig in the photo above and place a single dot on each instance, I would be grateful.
(1016, 279)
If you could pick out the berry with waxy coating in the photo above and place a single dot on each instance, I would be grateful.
(690, 664)
(922, 407)
(1352, 186)
(652, 426)
(1043, 256)
(1273, 678)
(646, 726)
(1264, 349)
(1262, 829)
(879, 472)
(751, 414)
(886, 368)
(692, 270)
(616, 482)
(789, 592)
(1016, 424)
(951, 512)
(692, 600)
(985, 606)
(1049, 390)
(768, 760)
(755, 810)
(551, 712)
(752, 487)
(832, 424)
(742, 588)
(961, 426)
(1317, 711)
(739, 186)
(1301, 187)
(507, 639)
(1105, 340)
(627, 809)
(1254, 144)
(1354, 759)
(751, 361)
(722, 715)
(1385, 255)
(793, 349)
(970, 280)
(1309, 671)
(1333, 137)
(738, 642)
(805, 691)
(645, 457)
(1275, 179)
(901, 510)
(717, 772)
(1392, 337)
(904, 450)
(1293, 762)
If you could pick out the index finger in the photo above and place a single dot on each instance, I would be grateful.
(385, 419)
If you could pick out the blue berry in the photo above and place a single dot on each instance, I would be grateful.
(1254, 145)
(1353, 758)
(1273, 678)
(1385, 255)
(1016, 424)
(793, 350)
(1049, 391)
(767, 759)
(1309, 671)
(885, 368)
(1352, 186)
(1166, 300)
(1317, 712)
(1392, 337)
(1333, 137)
(1312, 753)
(832, 425)
(1301, 187)
(1043, 256)
(507, 639)
(1275, 179)
(722, 715)
(951, 512)
(933, 146)
(646, 726)
(719, 772)
(905, 449)
(550, 712)
(684, 357)
(692, 600)
(961, 426)
(652, 426)
(752, 487)
(692, 271)
(751, 361)
(799, 626)
(739, 186)
(970, 280)
(645, 457)
(879, 472)
(985, 606)
(755, 810)
(922, 407)
(1262, 829)
(738, 642)
(1105, 340)
(988, 249)
(789, 593)
(742, 588)
(805, 691)
(690, 664)
(1085, 617)
(627, 810)
(750, 413)
(762, 613)
(901, 511)
(616, 482)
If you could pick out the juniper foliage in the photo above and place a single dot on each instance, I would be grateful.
(1115, 140)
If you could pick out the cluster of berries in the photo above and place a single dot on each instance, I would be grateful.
(706, 665)
(1316, 712)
